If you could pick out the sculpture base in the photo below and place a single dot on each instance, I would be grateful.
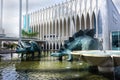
(105, 69)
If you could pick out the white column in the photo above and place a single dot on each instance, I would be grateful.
(75, 15)
(97, 18)
(40, 16)
(71, 32)
(52, 24)
(39, 24)
(55, 33)
(91, 14)
(63, 21)
(85, 14)
(43, 24)
(1, 16)
(46, 21)
(55, 19)
(105, 14)
(55, 40)
(80, 13)
(59, 25)
(20, 19)
(49, 27)
(67, 19)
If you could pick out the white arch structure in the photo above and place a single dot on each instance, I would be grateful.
(59, 22)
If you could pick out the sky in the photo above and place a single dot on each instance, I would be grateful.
(11, 13)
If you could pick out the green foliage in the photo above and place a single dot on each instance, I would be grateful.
(29, 34)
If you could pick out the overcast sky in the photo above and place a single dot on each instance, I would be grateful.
(11, 13)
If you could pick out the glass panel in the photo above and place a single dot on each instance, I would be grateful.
(116, 40)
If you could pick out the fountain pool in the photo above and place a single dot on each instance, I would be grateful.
(47, 69)
(105, 60)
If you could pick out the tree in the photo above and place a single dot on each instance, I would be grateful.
(29, 34)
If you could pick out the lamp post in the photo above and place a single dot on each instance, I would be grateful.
(20, 20)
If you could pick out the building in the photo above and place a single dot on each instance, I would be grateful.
(58, 22)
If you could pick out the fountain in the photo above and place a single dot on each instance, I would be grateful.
(81, 40)
(105, 60)
(90, 50)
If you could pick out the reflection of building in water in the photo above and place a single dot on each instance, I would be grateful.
(59, 22)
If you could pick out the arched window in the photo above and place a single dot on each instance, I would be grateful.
(69, 27)
(57, 28)
(64, 27)
(93, 21)
(60, 27)
(88, 21)
(82, 23)
(77, 23)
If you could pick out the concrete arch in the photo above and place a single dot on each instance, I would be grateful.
(68, 26)
(88, 21)
(50, 27)
(72, 25)
(57, 27)
(77, 23)
(34, 28)
(50, 45)
(73, 19)
(57, 45)
(82, 22)
(93, 21)
(42, 30)
(53, 27)
(64, 27)
(60, 27)
(47, 28)
(39, 31)
(54, 45)
(61, 45)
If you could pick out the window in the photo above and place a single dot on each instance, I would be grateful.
(116, 40)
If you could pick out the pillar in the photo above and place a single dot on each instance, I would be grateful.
(97, 18)
(105, 24)
(85, 15)
(91, 14)
(80, 13)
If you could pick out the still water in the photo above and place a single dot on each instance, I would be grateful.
(48, 69)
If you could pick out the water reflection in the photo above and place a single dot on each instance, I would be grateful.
(48, 70)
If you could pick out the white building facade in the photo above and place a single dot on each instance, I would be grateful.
(59, 22)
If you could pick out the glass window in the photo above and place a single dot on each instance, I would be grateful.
(116, 40)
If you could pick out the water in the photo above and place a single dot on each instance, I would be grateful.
(15, 69)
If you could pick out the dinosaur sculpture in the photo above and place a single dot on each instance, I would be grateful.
(81, 40)
(28, 47)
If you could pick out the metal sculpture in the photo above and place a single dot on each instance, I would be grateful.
(81, 40)
(28, 48)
